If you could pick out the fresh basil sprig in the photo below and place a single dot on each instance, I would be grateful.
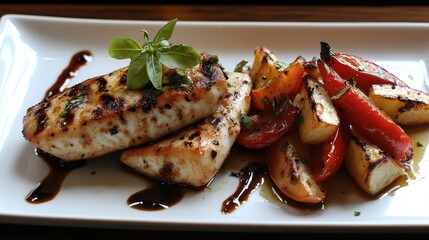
(147, 59)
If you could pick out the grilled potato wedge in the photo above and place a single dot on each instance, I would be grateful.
(264, 67)
(287, 162)
(369, 166)
(319, 119)
(404, 105)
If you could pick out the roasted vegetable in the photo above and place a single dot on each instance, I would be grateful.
(369, 166)
(318, 118)
(328, 157)
(261, 129)
(404, 105)
(288, 165)
(265, 67)
(285, 85)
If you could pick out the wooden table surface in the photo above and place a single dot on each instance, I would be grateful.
(294, 13)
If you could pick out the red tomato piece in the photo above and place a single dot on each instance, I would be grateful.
(268, 126)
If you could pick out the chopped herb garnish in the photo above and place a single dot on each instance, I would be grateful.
(341, 92)
(419, 144)
(280, 64)
(356, 213)
(147, 59)
(214, 60)
(351, 83)
(362, 67)
(276, 110)
(74, 103)
(239, 67)
(380, 72)
(244, 119)
(367, 154)
(179, 80)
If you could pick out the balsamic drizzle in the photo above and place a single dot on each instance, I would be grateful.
(250, 178)
(78, 60)
(49, 187)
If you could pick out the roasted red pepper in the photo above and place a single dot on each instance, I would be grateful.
(265, 127)
(329, 156)
(364, 72)
(366, 118)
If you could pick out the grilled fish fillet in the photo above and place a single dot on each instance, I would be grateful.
(100, 115)
(194, 155)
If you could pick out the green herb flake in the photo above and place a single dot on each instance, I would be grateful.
(362, 67)
(244, 119)
(419, 144)
(276, 110)
(356, 213)
(146, 60)
(214, 60)
(380, 72)
(239, 67)
(179, 80)
(351, 83)
(367, 154)
(280, 64)
(341, 92)
(74, 103)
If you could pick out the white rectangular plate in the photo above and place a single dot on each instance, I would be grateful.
(35, 49)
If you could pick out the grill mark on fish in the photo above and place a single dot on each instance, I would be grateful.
(41, 117)
(149, 100)
(102, 84)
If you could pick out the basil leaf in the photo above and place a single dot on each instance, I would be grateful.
(137, 76)
(145, 36)
(163, 46)
(154, 70)
(180, 56)
(147, 60)
(166, 31)
(122, 48)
